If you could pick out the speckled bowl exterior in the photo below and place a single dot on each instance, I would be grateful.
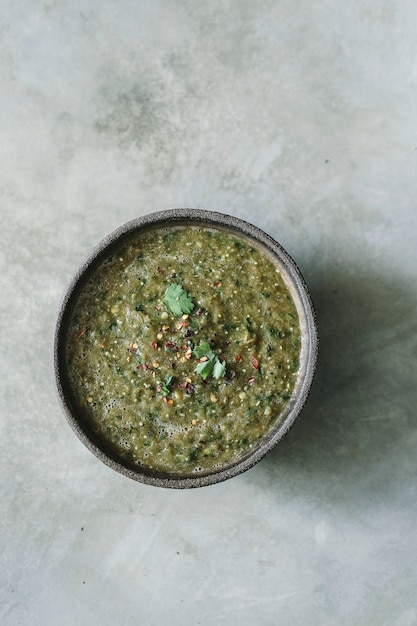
(308, 357)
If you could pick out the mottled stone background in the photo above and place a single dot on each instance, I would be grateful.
(297, 115)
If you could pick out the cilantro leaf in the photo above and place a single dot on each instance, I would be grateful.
(205, 368)
(219, 369)
(203, 349)
(211, 365)
(177, 300)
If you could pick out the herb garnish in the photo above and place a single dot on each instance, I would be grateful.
(205, 368)
(219, 369)
(210, 364)
(204, 349)
(177, 300)
(165, 387)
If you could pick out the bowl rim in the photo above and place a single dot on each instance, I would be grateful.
(310, 341)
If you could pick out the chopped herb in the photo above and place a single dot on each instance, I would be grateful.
(193, 454)
(168, 238)
(177, 300)
(165, 387)
(249, 325)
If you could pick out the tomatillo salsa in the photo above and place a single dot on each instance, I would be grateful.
(183, 348)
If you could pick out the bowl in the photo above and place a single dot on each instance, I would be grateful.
(77, 414)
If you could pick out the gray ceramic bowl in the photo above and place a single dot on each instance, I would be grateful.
(308, 358)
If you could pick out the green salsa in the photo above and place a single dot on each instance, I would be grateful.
(183, 349)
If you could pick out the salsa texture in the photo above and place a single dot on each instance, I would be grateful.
(183, 349)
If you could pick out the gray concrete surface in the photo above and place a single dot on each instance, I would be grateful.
(300, 116)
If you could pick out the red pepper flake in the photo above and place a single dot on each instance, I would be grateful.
(158, 307)
(170, 401)
(183, 347)
(84, 330)
(159, 270)
(239, 358)
(200, 312)
(158, 388)
(251, 381)
(102, 345)
(218, 284)
(254, 362)
(154, 345)
(142, 367)
(189, 387)
(184, 324)
(170, 345)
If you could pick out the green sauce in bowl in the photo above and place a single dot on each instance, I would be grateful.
(183, 348)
